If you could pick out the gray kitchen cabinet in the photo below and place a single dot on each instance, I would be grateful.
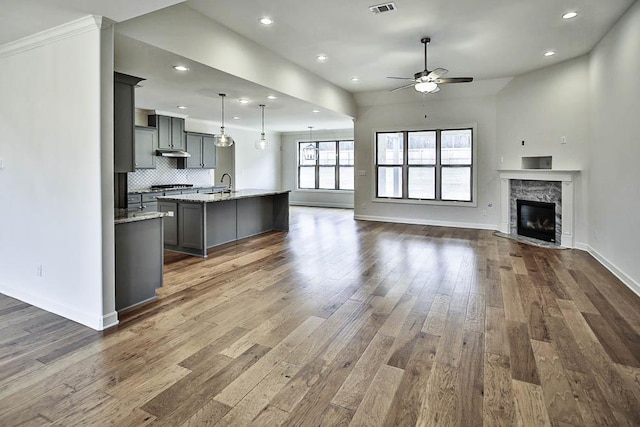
(202, 150)
(134, 202)
(191, 226)
(189, 191)
(123, 122)
(170, 131)
(170, 222)
(138, 262)
(146, 146)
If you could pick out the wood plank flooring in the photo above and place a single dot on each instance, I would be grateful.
(342, 322)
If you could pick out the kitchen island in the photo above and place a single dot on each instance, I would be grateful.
(197, 222)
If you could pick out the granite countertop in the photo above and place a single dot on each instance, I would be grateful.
(123, 216)
(160, 190)
(219, 197)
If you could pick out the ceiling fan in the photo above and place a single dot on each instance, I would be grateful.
(427, 81)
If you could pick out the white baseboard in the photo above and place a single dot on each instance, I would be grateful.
(322, 205)
(427, 222)
(624, 278)
(87, 319)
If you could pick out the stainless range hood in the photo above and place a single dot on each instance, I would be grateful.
(172, 153)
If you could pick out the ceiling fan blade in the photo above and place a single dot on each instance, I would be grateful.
(455, 80)
(401, 78)
(403, 87)
(437, 73)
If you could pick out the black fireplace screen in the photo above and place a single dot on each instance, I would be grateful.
(537, 220)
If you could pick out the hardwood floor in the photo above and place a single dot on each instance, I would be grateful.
(343, 322)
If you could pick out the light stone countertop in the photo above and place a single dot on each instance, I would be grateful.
(220, 197)
(123, 216)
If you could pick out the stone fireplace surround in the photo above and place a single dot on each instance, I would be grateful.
(545, 191)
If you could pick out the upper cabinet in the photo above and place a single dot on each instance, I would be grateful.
(202, 150)
(123, 122)
(170, 131)
(146, 146)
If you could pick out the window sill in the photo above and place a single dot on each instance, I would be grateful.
(426, 202)
(310, 190)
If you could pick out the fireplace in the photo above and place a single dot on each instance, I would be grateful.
(536, 219)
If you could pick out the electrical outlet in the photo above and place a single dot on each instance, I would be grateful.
(502, 159)
(39, 270)
(484, 212)
(563, 140)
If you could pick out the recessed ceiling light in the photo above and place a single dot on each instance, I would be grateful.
(549, 53)
(182, 107)
(321, 57)
(355, 79)
(316, 111)
(243, 100)
(569, 15)
(180, 68)
(236, 118)
(266, 21)
(272, 97)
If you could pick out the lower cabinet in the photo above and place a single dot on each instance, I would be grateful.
(191, 225)
(170, 222)
(138, 261)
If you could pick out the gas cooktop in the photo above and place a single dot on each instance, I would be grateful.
(165, 186)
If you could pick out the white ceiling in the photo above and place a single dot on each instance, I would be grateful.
(485, 39)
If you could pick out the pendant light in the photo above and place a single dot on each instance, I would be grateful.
(222, 140)
(309, 152)
(262, 143)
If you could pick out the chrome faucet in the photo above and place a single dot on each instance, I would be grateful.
(230, 181)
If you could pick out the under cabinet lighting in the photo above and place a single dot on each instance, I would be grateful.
(180, 68)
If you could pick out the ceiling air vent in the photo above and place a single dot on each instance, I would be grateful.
(384, 7)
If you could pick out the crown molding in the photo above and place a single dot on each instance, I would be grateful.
(55, 34)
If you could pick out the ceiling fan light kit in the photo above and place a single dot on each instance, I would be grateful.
(427, 81)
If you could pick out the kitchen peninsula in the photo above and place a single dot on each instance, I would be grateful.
(202, 221)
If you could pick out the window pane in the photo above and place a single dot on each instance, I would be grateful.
(422, 148)
(390, 148)
(327, 153)
(346, 177)
(346, 152)
(456, 183)
(327, 177)
(456, 147)
(422, 183)
(389, 182)
(307, 177)
(301, 153)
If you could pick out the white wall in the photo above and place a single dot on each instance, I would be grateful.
(539, 108)
(328, 198)
(51, 118)
(394, 111)
(249, 167)
(614, 149)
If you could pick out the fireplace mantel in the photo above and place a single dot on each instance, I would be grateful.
(567, 177)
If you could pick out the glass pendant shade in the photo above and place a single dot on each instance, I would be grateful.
(426, 87)
(310, 151)
(262, 143)
(222, 140)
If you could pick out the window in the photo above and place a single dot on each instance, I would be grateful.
(326, 165)
(425, 165)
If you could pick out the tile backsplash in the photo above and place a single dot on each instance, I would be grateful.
(166, 173)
